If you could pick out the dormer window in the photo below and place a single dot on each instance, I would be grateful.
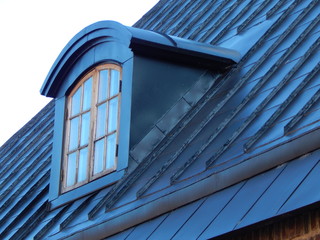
(106, 71)
(92, 127)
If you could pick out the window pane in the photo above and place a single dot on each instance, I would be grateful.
(74, 126)
(111, 151)
(85, 129)
(71, 169)
(103, 85)
(114, 85)
(82, 170)
(75, 102)
(113, 114)
(101, 120)
(87, 94)
(98, 156)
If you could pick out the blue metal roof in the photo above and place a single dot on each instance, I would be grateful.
(250, 201)
(255, 127)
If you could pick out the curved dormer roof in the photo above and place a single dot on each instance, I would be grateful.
(138, 41)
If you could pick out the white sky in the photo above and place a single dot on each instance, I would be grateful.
(32, 34)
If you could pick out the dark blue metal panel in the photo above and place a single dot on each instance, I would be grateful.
(308, 191)
(208, 211)
(145, 230)
(175, 220)
(279, 192)
(121, 236)
(241, 204)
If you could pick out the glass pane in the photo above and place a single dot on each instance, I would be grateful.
(98, 156)
(111, 151)
(85, 129)
(103, 85)
(82, 170)
(113, 114)
(74, 126)
(101, 120)
(75, 102)
(114, 85)
(71, 169)
(87, 90)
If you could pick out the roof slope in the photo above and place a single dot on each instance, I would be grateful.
(250, 201)
(261, 114)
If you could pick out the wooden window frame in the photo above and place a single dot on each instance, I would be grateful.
(94, 73)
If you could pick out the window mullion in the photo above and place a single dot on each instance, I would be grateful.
(93, 122)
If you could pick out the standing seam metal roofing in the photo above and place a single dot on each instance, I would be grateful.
(269, 101)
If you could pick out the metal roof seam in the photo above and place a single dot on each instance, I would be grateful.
(275, 8)
(245, 23)
(146, 19)
(74, 214)
(208, 33)
(188, 163)
(16, 162)
(197, 208)
(109, 200)
(289, 127)
(276, 114)
(232, 23)
(225, 205)
(234, 137)
(176, 154)
(22, 164)
(165, 8)
(40, 234)
(28, 137)
(9, 145)
(284, 203)
(170, 24)
(207, 21)
(183, 22)
(257, 200)
(169, 16)
(247, 98)
(27, 227)
(26, 172)
(28, 207)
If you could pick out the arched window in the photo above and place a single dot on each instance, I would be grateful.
(92, 127)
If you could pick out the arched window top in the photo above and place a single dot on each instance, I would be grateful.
(92, 127)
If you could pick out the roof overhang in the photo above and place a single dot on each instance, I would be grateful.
(139, 41)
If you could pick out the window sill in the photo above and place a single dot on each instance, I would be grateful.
(86, 189)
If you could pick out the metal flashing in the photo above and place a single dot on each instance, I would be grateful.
(141, 41)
